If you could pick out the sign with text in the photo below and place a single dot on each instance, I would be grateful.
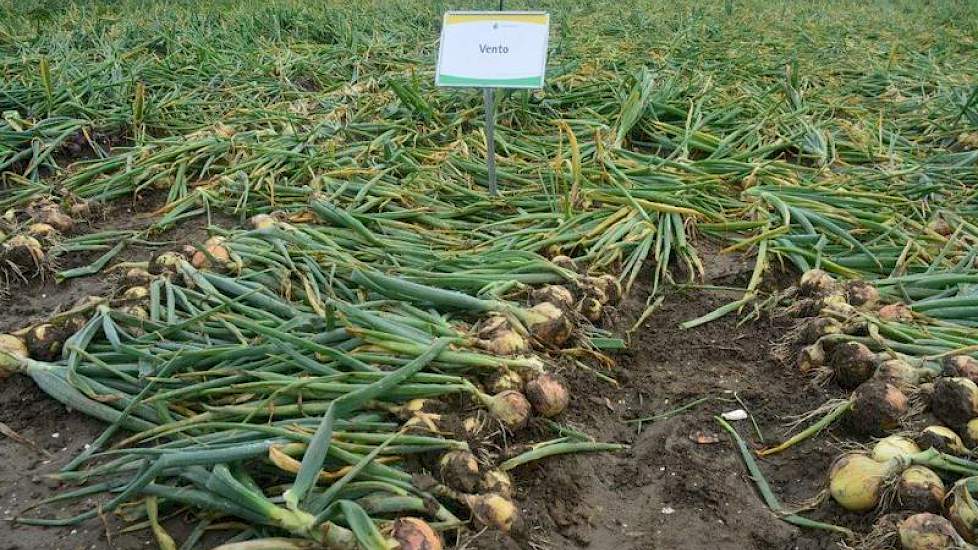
(493, 49)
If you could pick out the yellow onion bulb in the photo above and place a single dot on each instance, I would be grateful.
(498, 482)
(547, 395)
(941, 438)
(495, 511)
(24, 251)
(262, 221)
(971, 432)
(12, 349)
(42, 231)
(591, 308)
(460, 470)
(927, 531)
(503, 380)
(135, 293)
(557, 295)
(565, 262)
(138, 276)
(955, 400)
(900, 373)
(811, 358)
(816, 282)
(894, 446)
(856, 481)
(548, 324)
(511, 408)
(165, 262)
(415, 534)
(53, 216)
(920, 490)
(963, 511)
(818, 327)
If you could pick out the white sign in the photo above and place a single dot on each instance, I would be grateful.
(493, 49)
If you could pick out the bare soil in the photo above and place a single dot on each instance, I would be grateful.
(680, 484)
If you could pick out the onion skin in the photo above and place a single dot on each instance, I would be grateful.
(955, 400)
(415, 534)
(558, 295)
(590, 308)
(856, 481)
(498, 482)
(920, 490)
(927, 532)
(862, 294)
(547, 395)
(505, 380)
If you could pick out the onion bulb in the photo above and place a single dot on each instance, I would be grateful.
(853, 363)
(894, 446)
(927, 532)
(42, 231)
(44, 341)
(963, 510)
(816, 282)
(811, 358)
(941, 438)
(856, 481)
(494, 511)
(511, 408)
(262, 221)
(135, 293)
(971, 432)
(920, 490)
(16, 349)
(53, 216)
(548, 324)
(138, 276)
(961, 365)
(415, 534)
(498, 482)
(165, 262)
(558, 295)
(818, 327)
(877, 407)
(503, 380)
(547, 395)
(460, 470)
(955, 400)
(591, 308)
(900, 373)
(564, 262)
(862, 294)
(895, 312)
(213, 251)
(23, 251)
(496, 334)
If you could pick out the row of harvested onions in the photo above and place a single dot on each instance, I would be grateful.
(919, 475)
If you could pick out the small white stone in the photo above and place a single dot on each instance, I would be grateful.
(55, 435)
(668, 510)
(736, 414)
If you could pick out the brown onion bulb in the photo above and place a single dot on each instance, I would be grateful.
(961, 365)
(816, 328)
(853, 363)
(498, 482)
(811, 358)
(816, 282)
(548, 324)
(862, 294)
(895, 312)
(877, 408)
(558, 295)
(590, 308)
(44, 341)
(564, 262)
(963, 511)
(503, 380)
(955, 400)
(415, 534)
(460, 470)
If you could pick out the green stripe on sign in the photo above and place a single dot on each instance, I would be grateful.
(525, 82)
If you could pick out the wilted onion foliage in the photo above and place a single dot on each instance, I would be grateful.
(374, 313)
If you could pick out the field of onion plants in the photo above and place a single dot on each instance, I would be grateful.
(249, 259)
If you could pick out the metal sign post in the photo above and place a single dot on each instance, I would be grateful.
(488, 96)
